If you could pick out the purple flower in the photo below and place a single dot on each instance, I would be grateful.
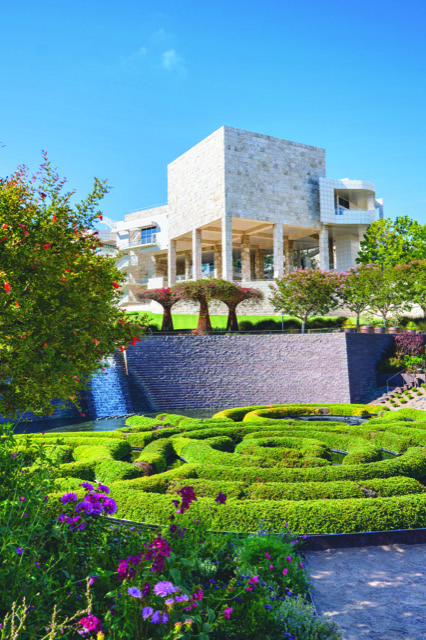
(169, 601)
(134, 592)
(22, 498)
(103, 488)
(92, 580)
(159, 617)
(84, 506)
(164, 588)
(88, 486)
(147, 612)
(221, 499)
(110, 506)
(182, 598)
(69, 497)
(146, 589)
(19, 550)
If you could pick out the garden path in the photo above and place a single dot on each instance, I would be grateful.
(377, 593)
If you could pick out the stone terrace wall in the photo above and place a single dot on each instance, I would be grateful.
(226, 371)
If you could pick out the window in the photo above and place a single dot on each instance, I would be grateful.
(148, 235)
(343, 203)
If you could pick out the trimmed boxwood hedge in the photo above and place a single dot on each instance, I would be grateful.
(272, 468)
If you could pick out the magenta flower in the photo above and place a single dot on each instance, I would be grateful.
(267, 555)
(254, 580)
(227, 612)
(198, 595)
(164, 588)
(271, 566)
(92, 580)
(90, 625)
(288, 558)
(285, 572)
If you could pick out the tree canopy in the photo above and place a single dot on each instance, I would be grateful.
(59, 317)
(388, 243)
(165, 296)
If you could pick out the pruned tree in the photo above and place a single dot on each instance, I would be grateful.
(201, 291)
(59, 316)
(232, 295)
(167, 297)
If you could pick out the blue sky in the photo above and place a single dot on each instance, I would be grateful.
(119, 90)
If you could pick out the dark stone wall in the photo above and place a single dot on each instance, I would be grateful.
(364, 350)
(236, 370)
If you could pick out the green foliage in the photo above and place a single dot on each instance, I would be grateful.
(390, 243)
(58, 294)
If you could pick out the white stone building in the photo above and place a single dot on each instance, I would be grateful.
(247, 207)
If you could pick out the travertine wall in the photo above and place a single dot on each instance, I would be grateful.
(196, 186)
(272, 179)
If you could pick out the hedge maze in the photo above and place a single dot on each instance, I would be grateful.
(273, 466)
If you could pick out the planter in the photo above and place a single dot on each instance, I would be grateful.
(393, 330)
(367, 329)
(350, 330)
(379, 330)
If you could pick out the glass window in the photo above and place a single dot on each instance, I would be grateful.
(148, 235)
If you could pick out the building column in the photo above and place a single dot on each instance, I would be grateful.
(187, 265)
(217, 260)
(278, 250)
(245, 258)
(196, 255)
(227, 268)
(259, 264)
(288, 251)
(331, 249)
(171, 263)
(298, 258)
(324, 256)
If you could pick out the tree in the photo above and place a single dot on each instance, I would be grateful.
(306, 292)
(411, 278)
(201, 291)
(58, 298)
(167, 298)
(355, 290)
(232, 295)
(389, 243)
(386, 297)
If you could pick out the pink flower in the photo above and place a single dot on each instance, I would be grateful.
(288, 558)
(271, 566)
(90, 625)
(285, 572)
(267, 555)
(227, 612)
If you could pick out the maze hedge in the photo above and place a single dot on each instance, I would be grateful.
(273, 466)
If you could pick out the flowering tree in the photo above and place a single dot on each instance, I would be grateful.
(167, 298)
(200, 291)
(306, 292)
(58, 297)
(355, 290)
(232, 295)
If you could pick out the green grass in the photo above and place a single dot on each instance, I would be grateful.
(189, 321)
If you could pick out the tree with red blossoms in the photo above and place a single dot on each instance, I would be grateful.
(232, 295)
(167, 297)
(59, 314)
(305, 293)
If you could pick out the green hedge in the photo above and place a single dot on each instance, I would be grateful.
(113, 470)
(156, 454)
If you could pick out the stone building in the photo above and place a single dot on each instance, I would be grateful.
(247, 207)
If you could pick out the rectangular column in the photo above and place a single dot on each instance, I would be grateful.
(259, 264)
(331, 249)
(245, 258)
(196, 255)
(298, 258)
(187, 265)
(288, 252)
(217, 260)
(227, 268)
(171, 263)
(324, 256)
(278, 250)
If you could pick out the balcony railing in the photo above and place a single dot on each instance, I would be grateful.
(139, 282)
(139, 242)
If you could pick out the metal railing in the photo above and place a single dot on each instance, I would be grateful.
(154, 206)
(139, 242)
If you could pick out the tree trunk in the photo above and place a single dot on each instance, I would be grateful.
(357, 322)
(167, 324)
(232, 322)
(204, 323)
(303, 325)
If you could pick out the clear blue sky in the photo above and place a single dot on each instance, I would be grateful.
(120, 89)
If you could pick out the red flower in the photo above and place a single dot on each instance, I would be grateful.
(7, 287)
(54, 218)
(122, 348)
(43, 195)
(25, 229)
(46, 246)
(115, 285)
(95, 341)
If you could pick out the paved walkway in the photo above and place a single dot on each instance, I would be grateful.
(372, 592)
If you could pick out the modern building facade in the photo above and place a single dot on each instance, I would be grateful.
(247, 207)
